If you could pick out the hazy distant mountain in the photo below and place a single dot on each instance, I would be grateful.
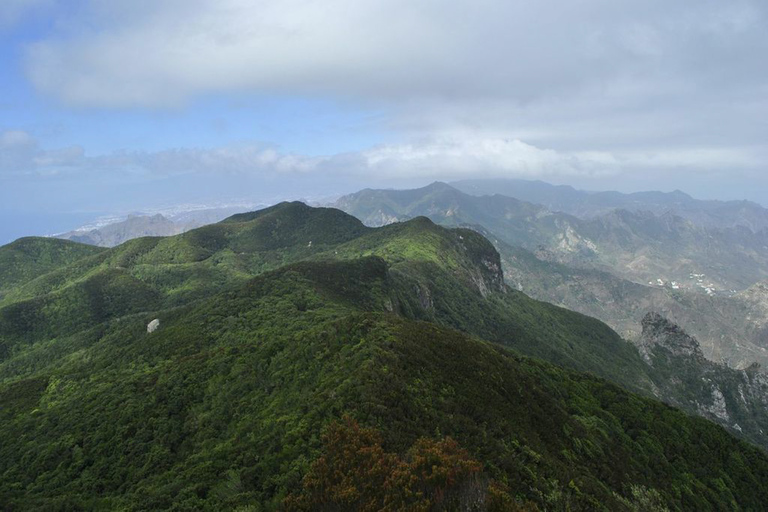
(640, 246)
(563, 198)
(113, 232)
(119, 232)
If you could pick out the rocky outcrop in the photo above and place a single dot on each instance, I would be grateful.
(736, 399)
(153, 325)
(425, 297)
(660, 332)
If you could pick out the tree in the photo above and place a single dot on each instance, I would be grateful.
(355, 472)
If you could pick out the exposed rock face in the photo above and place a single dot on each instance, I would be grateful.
(381, 218)
(425, 297)
(660, 332)
(569, 241)
(736, 399)
(488, 278)
(153, 325)
(484, 270)
(718, 408)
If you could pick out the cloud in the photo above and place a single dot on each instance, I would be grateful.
(165, 52)
(427, 159)
(20, 154)
(605, 76)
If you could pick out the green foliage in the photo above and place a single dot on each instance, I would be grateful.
(27, 258)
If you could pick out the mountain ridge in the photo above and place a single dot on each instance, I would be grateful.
(586, 204)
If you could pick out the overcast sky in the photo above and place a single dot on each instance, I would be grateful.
(128, 104)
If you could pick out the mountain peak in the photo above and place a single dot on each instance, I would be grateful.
(285, 206)
(438, 185)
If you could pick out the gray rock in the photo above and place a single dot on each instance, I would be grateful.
(153, 325)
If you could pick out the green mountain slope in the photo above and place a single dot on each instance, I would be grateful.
(28, 258)
(452, 277)
(191, 265)
(223, 406)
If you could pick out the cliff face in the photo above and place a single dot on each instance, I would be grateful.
(736, 399)
(660, 333)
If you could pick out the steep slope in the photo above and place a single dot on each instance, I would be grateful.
(562, 198)
(222, 407)
(451, 277)
(448, 276)
(198, 284)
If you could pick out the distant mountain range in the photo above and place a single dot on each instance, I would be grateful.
(638, 246)
(134, 226)
(113, 232)
(566, 199)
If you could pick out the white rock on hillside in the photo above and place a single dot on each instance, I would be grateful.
(153, 325)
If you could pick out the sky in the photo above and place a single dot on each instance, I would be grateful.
(123, 105)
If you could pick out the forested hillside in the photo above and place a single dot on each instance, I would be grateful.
(288, 337)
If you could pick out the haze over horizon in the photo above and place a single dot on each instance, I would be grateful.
(124, 106)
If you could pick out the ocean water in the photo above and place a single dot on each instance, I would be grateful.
(16, 224)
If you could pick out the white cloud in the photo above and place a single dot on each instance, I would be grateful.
(443, 158)
(20, 154)
(606, 76)
(164, 52)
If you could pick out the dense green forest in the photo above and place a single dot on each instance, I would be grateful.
(306, 362)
